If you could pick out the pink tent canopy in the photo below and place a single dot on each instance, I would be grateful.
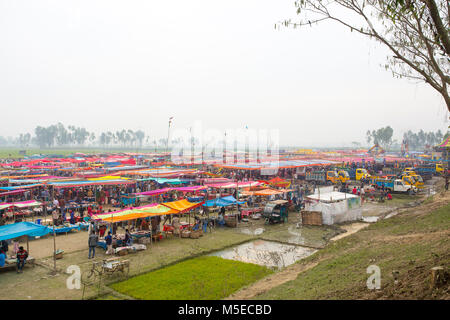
(12, 192)
(164, 190)
(241, 184)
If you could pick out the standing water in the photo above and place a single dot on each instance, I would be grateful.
(266, 253)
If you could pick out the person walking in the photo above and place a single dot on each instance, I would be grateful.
(363, 193)
(92, 242)
(108, 238)
(446, 182)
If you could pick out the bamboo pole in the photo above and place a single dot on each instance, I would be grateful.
(54, 249)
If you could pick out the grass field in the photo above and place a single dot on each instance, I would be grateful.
(411, 243)
(200, 278)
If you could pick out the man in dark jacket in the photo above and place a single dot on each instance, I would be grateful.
(108, 238)
(93, 239)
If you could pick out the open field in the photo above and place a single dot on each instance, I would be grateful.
(203, 278)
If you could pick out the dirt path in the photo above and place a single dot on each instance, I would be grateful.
(73, 241)
(350, 229)
(276, 279)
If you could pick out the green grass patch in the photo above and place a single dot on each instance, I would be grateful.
(108, 297)
(342, 273)
(203, 278)
(435, 221)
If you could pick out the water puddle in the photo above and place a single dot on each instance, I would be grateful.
(370, 219)
(252, 232)
(266, 253)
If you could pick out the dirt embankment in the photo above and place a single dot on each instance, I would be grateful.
(414, 241)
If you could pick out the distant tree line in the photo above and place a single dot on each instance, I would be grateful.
(57, 135)
(422, 139)
(416, 141)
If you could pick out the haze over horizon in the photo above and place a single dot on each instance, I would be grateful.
(112, 65)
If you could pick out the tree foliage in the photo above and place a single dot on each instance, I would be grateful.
(58, 135)
(422, 139)
(382, 136)
(415, 31)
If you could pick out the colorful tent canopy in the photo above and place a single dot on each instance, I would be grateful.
(164, 190)
(265, 192)
(73, 184)
(163, 180)
(12, 192)
(444, 144)
(222, 202)
(22, 187)
(22, 204)
(182, 205)
(153, 209)
(15, 230)
(278, 182)
(233, 185)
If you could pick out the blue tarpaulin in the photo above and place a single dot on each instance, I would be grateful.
(15, 230)
(65, 229)
(222, 202)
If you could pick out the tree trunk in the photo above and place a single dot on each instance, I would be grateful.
(438, 277)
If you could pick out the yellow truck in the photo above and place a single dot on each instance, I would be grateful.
(358, 174)
(413, 180)
(330, 176)
(416, 180)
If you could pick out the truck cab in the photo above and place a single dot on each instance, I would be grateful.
(409, 171)
(408, 180)
(439, 168)
(418, 181)
(343, 176)
(362, 174)
(332, 176)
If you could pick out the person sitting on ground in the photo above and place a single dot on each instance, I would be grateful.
(176, 225)
(388, 196)
(22, 256)
(220, 219)
(4, 247)
(2, 258)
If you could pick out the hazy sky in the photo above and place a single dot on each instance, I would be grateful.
(108, 65)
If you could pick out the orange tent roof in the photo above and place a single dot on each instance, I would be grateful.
(182, 205)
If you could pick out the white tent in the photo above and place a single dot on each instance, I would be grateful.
(336, 207)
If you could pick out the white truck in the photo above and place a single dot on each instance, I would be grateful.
(396, 185)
